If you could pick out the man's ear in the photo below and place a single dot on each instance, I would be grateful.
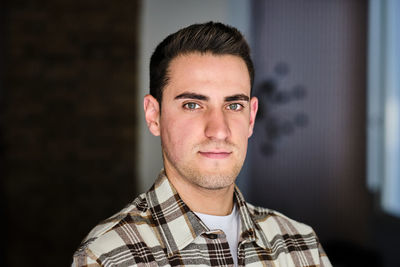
(253, 113)
(152, 114)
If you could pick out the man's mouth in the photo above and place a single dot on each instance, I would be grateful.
(215, 154)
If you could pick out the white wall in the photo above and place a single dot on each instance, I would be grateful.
(159, 19)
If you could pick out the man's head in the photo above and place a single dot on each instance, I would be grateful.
(211, 37)
(207, 113)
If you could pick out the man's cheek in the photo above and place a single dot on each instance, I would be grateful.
(179, 139)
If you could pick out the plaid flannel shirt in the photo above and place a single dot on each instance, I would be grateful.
(159, 229)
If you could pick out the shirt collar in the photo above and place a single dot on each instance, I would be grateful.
(251, 230)
(178, 226)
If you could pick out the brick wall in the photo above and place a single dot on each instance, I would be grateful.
(69, 121)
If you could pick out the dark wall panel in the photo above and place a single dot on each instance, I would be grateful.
(69, 122)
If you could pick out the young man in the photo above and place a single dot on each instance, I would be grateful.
(200, 105)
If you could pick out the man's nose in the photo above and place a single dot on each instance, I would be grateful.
(217, 125)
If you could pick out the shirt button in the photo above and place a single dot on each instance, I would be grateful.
(213, 236)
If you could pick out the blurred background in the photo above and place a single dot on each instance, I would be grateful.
(74, 148)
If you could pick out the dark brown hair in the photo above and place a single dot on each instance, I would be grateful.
(211, 37)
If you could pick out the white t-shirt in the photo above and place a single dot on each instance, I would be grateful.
(229, 224)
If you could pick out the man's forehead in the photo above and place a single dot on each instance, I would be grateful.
(190, 59)
(207, 76)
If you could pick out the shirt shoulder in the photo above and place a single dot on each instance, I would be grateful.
(274, 223)
(293, 238)
(116, 234)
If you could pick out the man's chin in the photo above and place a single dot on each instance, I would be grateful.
(216, 187)
(214, 181)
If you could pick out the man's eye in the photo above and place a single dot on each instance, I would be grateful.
(191, 105)
(235, 106)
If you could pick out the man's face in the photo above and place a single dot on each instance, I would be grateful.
(206, 119)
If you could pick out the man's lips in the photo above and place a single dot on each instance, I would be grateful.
(215, 154)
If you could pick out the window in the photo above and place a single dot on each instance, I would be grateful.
(384, 103)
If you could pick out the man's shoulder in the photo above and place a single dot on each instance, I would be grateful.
(286, 235)
(118, 231)
(272, 221)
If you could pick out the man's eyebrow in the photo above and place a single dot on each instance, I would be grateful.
(238, 97)
(192, 96)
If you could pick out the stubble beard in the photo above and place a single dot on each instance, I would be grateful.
(209, 180)
(214, 179)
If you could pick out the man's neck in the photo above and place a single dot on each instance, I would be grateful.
(208, 201)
